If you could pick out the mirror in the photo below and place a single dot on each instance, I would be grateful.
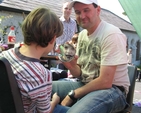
(67, 52)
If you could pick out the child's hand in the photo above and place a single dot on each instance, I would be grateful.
(55, 98)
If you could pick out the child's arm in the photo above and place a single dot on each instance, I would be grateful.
(54, 102)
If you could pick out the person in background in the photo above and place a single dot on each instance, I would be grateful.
(40, 29)
(101, 65)
(70, 26)
(129, 56)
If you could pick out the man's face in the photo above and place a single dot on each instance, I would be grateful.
(86, 14)
(67, 10)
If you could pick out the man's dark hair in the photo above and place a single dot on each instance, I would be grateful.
(95, 5)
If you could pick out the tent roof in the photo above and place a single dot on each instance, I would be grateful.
(133, 10)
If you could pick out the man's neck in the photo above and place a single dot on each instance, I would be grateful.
(92, 29)
(67, 18)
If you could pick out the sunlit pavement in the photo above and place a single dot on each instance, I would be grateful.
(137, 97)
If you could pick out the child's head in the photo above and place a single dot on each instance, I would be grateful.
(74, 39)
(41, 26)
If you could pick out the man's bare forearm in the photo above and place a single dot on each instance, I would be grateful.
(75, 71)
(104, 81)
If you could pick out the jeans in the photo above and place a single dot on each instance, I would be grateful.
(100, 101)
(60, 109)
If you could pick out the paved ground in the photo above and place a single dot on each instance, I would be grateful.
(137, 97)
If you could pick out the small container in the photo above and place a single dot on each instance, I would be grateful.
(11, 37)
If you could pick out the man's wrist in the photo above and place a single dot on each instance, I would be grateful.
(71, 94)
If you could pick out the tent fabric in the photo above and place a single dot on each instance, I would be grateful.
(133, 10)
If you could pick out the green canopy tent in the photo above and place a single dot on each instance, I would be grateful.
(133, 10)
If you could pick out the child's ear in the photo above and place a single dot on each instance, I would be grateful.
(52, 41)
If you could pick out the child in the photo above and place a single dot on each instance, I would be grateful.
(74, 40)
(40, 29)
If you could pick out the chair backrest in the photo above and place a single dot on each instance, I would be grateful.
(132, 76)
(10, 97)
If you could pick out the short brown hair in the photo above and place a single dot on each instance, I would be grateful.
(41, 26)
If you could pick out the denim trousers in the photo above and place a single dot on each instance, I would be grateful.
(60, 109)
(110, 100)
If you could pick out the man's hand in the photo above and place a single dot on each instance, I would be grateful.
(67, 101)
(72, 63)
